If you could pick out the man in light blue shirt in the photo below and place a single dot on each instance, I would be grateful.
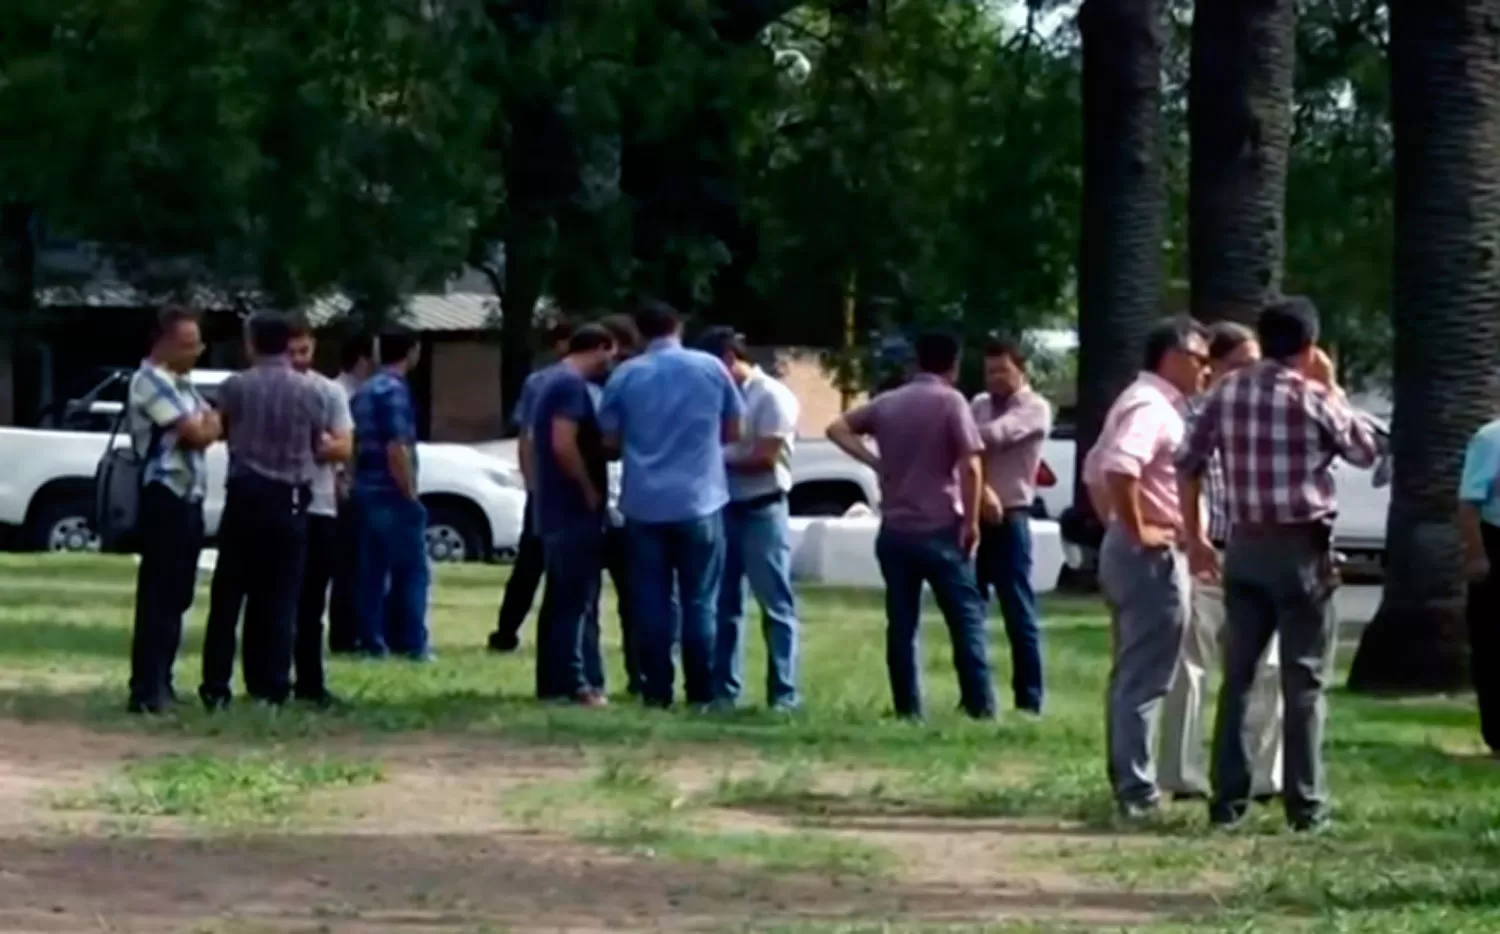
(670, 411)
(1479, 521)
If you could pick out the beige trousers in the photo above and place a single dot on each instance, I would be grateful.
(1186, 723)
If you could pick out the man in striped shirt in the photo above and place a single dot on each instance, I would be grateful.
(279, 428)
(1183, 765)
(1278, 425)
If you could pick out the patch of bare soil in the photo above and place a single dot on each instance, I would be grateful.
(431, 849)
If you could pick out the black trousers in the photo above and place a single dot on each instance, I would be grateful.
(343, 624)
(317, 575)
(171, 538)
(262, 550)
(525, 578)
(1484, 639)
(615, 557)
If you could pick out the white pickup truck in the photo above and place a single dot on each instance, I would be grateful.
(475, 503)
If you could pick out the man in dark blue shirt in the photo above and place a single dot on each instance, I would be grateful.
(391, 598)
(570, 490)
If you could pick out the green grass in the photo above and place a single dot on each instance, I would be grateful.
(1416, 847)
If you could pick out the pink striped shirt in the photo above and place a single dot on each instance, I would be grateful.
(1140, 438)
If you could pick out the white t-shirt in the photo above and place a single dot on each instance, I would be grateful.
(771, 411)
(325, 500)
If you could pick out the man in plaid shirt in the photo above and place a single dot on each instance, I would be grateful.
(1278, 425)
(1183, 769)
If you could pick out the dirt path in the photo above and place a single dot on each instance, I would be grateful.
(431, 849)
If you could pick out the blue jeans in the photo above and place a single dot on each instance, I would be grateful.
(567, 644)
(1004, 566)
(685, 559)
(907, 561)
(391, 596)
(757, 547)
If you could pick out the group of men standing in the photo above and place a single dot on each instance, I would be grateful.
(320, 491)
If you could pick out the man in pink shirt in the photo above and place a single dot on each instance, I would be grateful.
(1132, 481)
(1013, 422)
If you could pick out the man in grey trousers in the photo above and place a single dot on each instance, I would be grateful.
(1131, 476)
(1278, 572)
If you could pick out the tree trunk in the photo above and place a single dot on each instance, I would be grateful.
(1445, 114)
(1120, 269)
(17, 264)
(524, 282)
(1240, 125)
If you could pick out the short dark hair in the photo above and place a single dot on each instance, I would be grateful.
(397, 346)
(1287, 327)
(560, 331)
(627, 335)
(937, 352)
(1225, 337)
(590, 337)
(1171, 334)
(269, 333)
(998, 345)
(299, 326)
(168, 319)
(724, 342)
(358, 347)
(656, 319)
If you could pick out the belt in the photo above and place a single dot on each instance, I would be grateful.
(758, 502)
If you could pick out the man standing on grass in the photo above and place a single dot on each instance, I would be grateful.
(756, 529)
(1184, 745)
(670, 411)
(570, 490)
(1479, 521)
(1014, 421)
(930, 488)
(1132, 481)
(170, 426)
(356, 364)
(391, 598)
(1278, 569)
(616, 547)
(526, 572)
(323, 543)
(279, 427)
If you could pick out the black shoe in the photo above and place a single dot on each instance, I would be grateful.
(1265, 799)
(214, 701)
(148, 708)
(1310, 823)
(324, 700)
(1226, 816)
(1181, 796)
(504, 643)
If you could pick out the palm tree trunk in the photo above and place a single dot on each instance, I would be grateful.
(1120, 267)
(1240, 124)
(1445, 113)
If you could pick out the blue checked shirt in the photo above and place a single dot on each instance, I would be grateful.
(383, 414)
(1215, 491)
(157, 400)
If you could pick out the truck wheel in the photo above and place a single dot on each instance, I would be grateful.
(63, 524)
(454, 535)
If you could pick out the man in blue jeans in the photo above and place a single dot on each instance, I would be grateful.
(670, 411)
(930, 486)
(391, 596)
(756, 531)
(570, 484)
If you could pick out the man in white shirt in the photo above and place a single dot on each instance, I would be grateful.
(756, 528)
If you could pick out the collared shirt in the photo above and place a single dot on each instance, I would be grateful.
(1215, 493)
(1278, 434)
(771, 411)
(383, 415)
(668, 407)
(1139, 439)
(923, 430)
(157, 400)
(558, 500)
(274, 419)
(1013, 432)
(325, 497)
(1478, 485)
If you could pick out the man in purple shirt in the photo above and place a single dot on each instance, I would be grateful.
(1014, 421)
(930, 484)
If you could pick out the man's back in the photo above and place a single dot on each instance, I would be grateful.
(383, 415)
(274, 417)
(668, 407)
(560, 503)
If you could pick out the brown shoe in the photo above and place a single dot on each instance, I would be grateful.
(591, 699)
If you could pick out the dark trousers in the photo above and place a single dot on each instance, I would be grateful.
(1484, 639)
(568, 661)
(684, 560)
(907, 561)
(262, 550)
(317, 574)
(343, 622)
(1003, 567)
(525, 577)
(616, 554)
(171, 538)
